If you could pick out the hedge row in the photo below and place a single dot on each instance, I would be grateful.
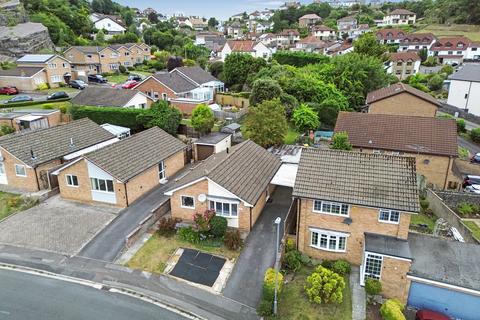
(124, 117)
(30, 103)
(299, 59)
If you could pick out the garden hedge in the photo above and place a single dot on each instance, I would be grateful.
(124, 117)
(30, 103)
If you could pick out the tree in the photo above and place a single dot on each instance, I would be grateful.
(367, 44)
(100, 37)
(423, 54)
(435, 82)
(238, 68)
(174, 62)
(216, 69)
(152, 17)
(324, 286)
(266, 123)
(203, 118)
(340, 141)
(264, 89)
(212, 22)
(305, 119)
(162, 115)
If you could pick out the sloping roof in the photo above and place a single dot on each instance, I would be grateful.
(312, 40)
(404, 56)
(398, 88)
(197, 74)
(35, 58)
(246, 170)
(401, 11)
(391, 33)
(20, 72)
(322, 28)
(310, 16)
(418, 38)
(55, 142)
(469, 72)
(451, 44)
(423, 135)
(175, 81)
(379, 181)
(347, 18)
(100, 96)
(88, 49)
(387, 245)
(446, 261)
(133, 155)
(241, 45)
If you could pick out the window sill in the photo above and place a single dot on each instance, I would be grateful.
(331, 214)
(389, 222)
(184, 207)
(329, 250)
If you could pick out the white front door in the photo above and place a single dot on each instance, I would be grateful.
(372, 267)
(3, 174)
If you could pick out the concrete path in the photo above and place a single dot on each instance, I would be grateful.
(246, 280)
(359, 298)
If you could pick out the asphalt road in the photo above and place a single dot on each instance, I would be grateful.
(30, 297)
(37, 96)
(472, 147)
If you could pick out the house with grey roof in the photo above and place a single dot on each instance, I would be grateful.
(183, 87)
(22, 119)
(27, 158)
(211, 143)
(101, 96)
(357, 206)
(464, 89)
(120, 173)
(235, 183)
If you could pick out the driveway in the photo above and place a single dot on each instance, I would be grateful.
(246, 280)
(56, 225)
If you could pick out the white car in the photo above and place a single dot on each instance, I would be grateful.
(474, 188)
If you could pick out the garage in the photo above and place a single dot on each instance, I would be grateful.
(445, 276)
(204, 151)
(212, 143)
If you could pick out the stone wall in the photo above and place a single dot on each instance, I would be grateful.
(453, 199)
(12, 13)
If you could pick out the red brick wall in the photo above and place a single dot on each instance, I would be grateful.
(150, 86)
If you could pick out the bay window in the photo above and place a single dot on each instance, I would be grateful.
(102, 185)
(223, 208)
(328, 240)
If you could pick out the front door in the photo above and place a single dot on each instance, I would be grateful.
(3, 174)
(372, 267)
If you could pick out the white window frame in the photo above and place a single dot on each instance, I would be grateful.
(52, 66)
(223, 202)
(365, 275)
(329, 236)
(330, 204)
(162, 171)
(69, 182)
(2, 169)
(187, 207)
(93, 186)
(389, 212)
(56, 78)
(24, 168)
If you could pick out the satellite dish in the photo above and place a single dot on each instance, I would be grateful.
(202, 197)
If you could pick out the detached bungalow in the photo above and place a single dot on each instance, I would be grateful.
(26, 159)
(99, 96)
(122, 172)
(235, 183)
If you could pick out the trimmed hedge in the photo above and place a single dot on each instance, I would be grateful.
(299, 59)
(30, 103)
(124, 117)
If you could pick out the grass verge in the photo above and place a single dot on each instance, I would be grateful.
(11, 203)
(117, 78)
(474, 228)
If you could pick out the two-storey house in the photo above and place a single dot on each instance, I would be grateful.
(253, 48)
(309, 20)
(403, 64)
(324, 33)
(417, 41)
(450, 50)
(390, 36)
(399, 17)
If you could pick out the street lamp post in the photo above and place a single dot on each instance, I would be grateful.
(277, 248)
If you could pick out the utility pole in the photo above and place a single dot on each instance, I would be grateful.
(277, 248)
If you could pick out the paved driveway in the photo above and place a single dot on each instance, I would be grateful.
(245, 283)
(56, 225)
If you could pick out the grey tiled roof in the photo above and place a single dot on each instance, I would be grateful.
(100, 96)
(131, 156)
(175, 81)
(53, 143)
(469, 72)
(364, 179)
(245, 171)
(20, 72)
(387, 245)
(197, 74)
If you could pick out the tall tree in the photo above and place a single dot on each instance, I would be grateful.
(203, 118)
(367, 44)
(305, 119)
(264, 89)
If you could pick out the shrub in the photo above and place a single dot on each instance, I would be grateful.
(475, 134)
(4, 129)
(232, 240)
(324, 286)
(290, 245)
(327, 263)
(166, 226)
(122, 69)
(125, 117)
(265, 308)
(461, 125)
(42, 86)
(392, 310)
(202, 220)
(373, 286)
(269, 284)
(189, 234)
(424, 204)
(341, 267)
(48, 106)
(218, 226)
(63, 108)
(293, 260)
(465, 209)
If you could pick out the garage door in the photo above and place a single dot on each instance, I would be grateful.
(204, 151)
(452, 303)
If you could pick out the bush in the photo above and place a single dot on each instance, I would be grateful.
(290, 245)
(124, 117)
(42, 86)
(4, 129)
(202, 220)
(465, 209)
(122, 69)
(327, 264)
(265, 308)
(461, 125)
(269, 284)
(392, 310)
(324, 286)
(424, 204)
(293, 260)
(232, 240)
(48, 106)
(373, 286)
(166, 226)
(341, 267)
(475, 134)
(218, 226)
(189, 234)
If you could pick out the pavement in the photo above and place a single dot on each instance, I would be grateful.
(26, 296)
(359, 298)
(56, 225)
(258, 254)
(162, 288)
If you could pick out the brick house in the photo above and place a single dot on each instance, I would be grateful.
(30, 119)
(101, 96)
(27, 158)
(122, 172)
(403, 100)
(357, 206)
(432, 141)
(309, 20)
(399, 17)
(235, 183)
(403, 64)
(183, 87)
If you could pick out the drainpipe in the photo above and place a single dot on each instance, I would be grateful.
(126, 194)
(36, 178)
(298, 219)
(446, 175)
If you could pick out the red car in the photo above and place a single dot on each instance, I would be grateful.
(430, 315)
(129, 84)
(8, 90)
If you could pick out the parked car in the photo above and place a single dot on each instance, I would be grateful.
(430, 315)
(469, 180)
(96, 78)
(78, 84)
(22, 98)
(475, 158)
(474, 188)
(9, 90)
(134, 77)
(129, 84)
(58, 95)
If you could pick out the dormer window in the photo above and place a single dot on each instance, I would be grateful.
(460, 45)
(448, 44)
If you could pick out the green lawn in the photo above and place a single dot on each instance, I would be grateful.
(5, 97)
(45, 105)
(11, 203)
(294, 305)
(422, 218)
(141, 73)
(117, 78)
(154, 254)
(470, 31)
(474, 228)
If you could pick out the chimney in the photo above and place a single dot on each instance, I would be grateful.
(32, 155)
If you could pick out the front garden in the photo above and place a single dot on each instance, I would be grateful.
(11, 203)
